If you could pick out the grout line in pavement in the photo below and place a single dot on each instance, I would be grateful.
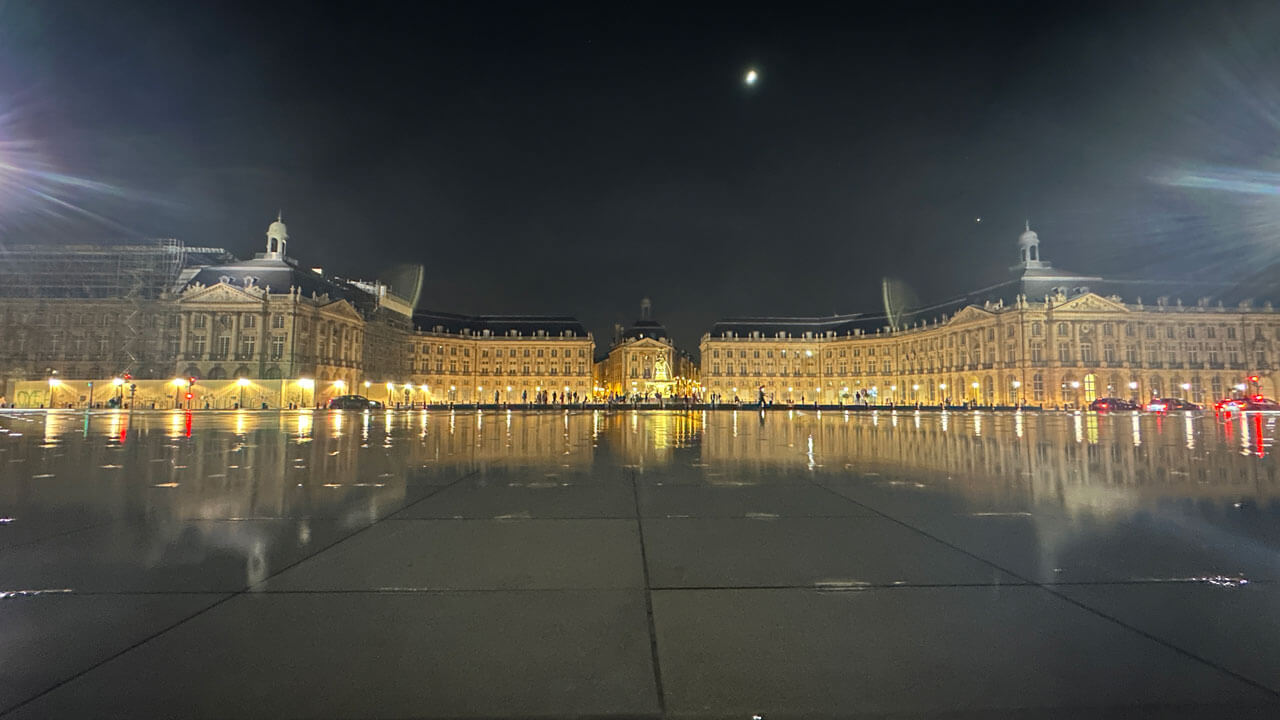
(53, 536)
(1190, 582)
(1049, 588)
(182, 621)
(648, 600)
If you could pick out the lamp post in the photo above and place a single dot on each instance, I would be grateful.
(975, 387)
(1017, 395)
(942, 390)
(242, 382)
(1133, 390)
(119, 386)
(1075, 385)
(306, 384)
(53, 383)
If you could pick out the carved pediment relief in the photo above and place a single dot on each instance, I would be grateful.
(971, 313)
(219, 293)
(1091, 303)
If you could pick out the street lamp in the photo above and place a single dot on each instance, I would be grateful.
(178, 384)
(307, 384)
(1075, 385)
(119, 386)
(53, 383)
(242, 382)
(1017, 395)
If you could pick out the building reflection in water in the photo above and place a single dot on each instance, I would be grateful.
(168, 475)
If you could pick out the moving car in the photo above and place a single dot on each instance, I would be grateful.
(1170, 405)
(1110, 404)
(1251, 403)
(354, 402)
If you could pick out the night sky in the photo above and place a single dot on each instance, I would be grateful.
(572, 159)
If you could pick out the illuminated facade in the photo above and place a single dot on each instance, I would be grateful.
(1046, 337)
(494, 358)
(264, 319)
(643, 361)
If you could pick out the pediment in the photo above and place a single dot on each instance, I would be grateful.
(220, 293)
(1090, 302)
(970, 313)
(343, 307)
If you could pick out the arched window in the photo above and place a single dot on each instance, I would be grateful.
(272, 373)
(217, 373)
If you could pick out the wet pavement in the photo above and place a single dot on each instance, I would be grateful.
(689, 564)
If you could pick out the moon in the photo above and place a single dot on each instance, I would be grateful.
(751, 77)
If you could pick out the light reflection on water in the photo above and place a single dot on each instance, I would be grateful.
(1196, 456)
(164, 474)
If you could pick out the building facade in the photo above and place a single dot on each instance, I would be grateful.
(1046, 337)
(644, 362)
(494, 359)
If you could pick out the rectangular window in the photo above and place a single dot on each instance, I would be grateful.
(250, 321)
(277, 347)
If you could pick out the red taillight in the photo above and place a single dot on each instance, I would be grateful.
(1257, 398)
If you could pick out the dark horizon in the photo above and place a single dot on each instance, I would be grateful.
(574, 159)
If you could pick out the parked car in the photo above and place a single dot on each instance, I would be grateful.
(354, 402)
(1110, 404)
(1170, 405)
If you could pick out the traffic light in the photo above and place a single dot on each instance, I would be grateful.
(189, 396)
(127, 377)
(1253, 378)
(191, 381)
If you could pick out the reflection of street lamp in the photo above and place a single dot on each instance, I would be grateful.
(242, 382)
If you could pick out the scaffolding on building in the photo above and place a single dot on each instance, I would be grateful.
(138, 274)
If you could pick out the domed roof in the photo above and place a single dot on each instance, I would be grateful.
(277, 229)
(1028, 237)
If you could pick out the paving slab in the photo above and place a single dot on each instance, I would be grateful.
(917, 651)
(477, 555)
(382, 655)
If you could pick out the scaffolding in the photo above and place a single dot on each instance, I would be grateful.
(138, 274)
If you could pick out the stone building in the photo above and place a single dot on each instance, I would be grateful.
(643, 360)
(494, 358)
(169, 313)
(1044, 337)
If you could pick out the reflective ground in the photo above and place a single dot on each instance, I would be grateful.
(395, 565)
